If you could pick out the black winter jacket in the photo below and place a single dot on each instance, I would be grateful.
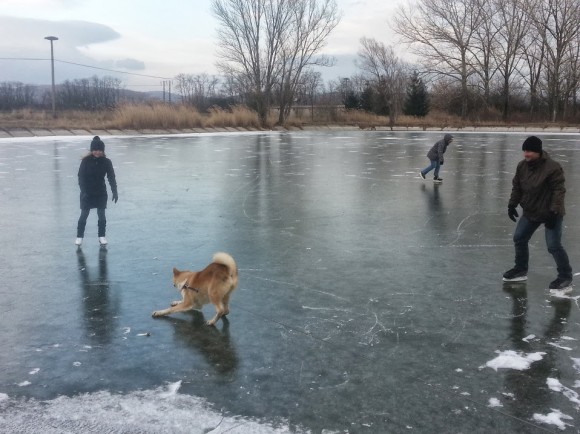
(539, 188)
(92, 173)
(439, 148)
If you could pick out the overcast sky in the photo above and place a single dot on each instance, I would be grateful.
(148, 37)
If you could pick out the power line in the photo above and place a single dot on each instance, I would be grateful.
(88, 66)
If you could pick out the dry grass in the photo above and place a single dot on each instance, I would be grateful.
(27, 118)
(132, 116)
(163, 116)
(238, 116)
(141, 117)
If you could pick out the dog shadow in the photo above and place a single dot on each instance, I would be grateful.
(213, 343)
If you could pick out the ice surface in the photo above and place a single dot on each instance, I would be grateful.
(368, 298)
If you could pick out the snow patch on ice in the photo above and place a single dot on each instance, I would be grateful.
(494, 402)
(555, 385)
(34, 371)
(149, 411)
(513, 360)
(560, 346)
(553, 418)
(528, 338)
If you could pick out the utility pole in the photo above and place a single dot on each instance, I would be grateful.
(51, 39)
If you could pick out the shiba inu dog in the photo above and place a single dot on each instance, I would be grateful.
(214, 284)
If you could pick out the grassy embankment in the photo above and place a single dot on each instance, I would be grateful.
(163, 116)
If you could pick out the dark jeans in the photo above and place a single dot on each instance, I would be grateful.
(434, 165)
(83, 222)
(524, 231)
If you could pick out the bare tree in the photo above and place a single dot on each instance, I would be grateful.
(513, 21)
(534, 54)
(16, 95)
(484, 46)
(310, 85)
(268, 43)
(89, 93)
(386, 72)
(196, 89)
(558, 23)
(311, 23)
(441, 33)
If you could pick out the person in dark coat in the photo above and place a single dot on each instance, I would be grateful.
(539, 187)
(435, 155)
(94, 166)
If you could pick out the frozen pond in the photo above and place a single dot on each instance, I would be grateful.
(369, 300)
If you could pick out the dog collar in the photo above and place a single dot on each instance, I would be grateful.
(192, 288)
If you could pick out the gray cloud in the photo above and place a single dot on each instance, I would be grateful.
(25, 40)
(130, 64)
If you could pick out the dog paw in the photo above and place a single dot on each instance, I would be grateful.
(210, 323)
(155, 314)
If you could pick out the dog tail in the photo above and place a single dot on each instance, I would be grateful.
(228, 261)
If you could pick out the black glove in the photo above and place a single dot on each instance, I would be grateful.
(512, 213)
(115, 197)
(441, 163)
(551, 221)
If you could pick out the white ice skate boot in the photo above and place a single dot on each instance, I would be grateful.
(78, 241)
(102, 241)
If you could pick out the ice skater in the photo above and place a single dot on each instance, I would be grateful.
(435, 155)
(94, 166)
(538, 186)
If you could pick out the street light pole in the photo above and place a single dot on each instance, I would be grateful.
(51, 39)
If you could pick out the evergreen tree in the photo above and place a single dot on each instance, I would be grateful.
(351, 101)
(417, 103)
(367, 99)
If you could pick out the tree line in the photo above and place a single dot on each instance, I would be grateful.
(475, 58)
(504, 54)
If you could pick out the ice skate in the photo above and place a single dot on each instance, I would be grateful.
(560, 287)
(422, 175)
(78, 242)
(515, 275)
(438, 180)
(102, 241)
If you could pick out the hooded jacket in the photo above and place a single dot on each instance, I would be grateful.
(91, 175)
(538, 186)
(439, 148)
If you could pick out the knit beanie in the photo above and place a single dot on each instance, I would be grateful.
(532, 144)
(97, 144)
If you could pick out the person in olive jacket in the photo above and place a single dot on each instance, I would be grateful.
(538, 187)
(94, 166)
